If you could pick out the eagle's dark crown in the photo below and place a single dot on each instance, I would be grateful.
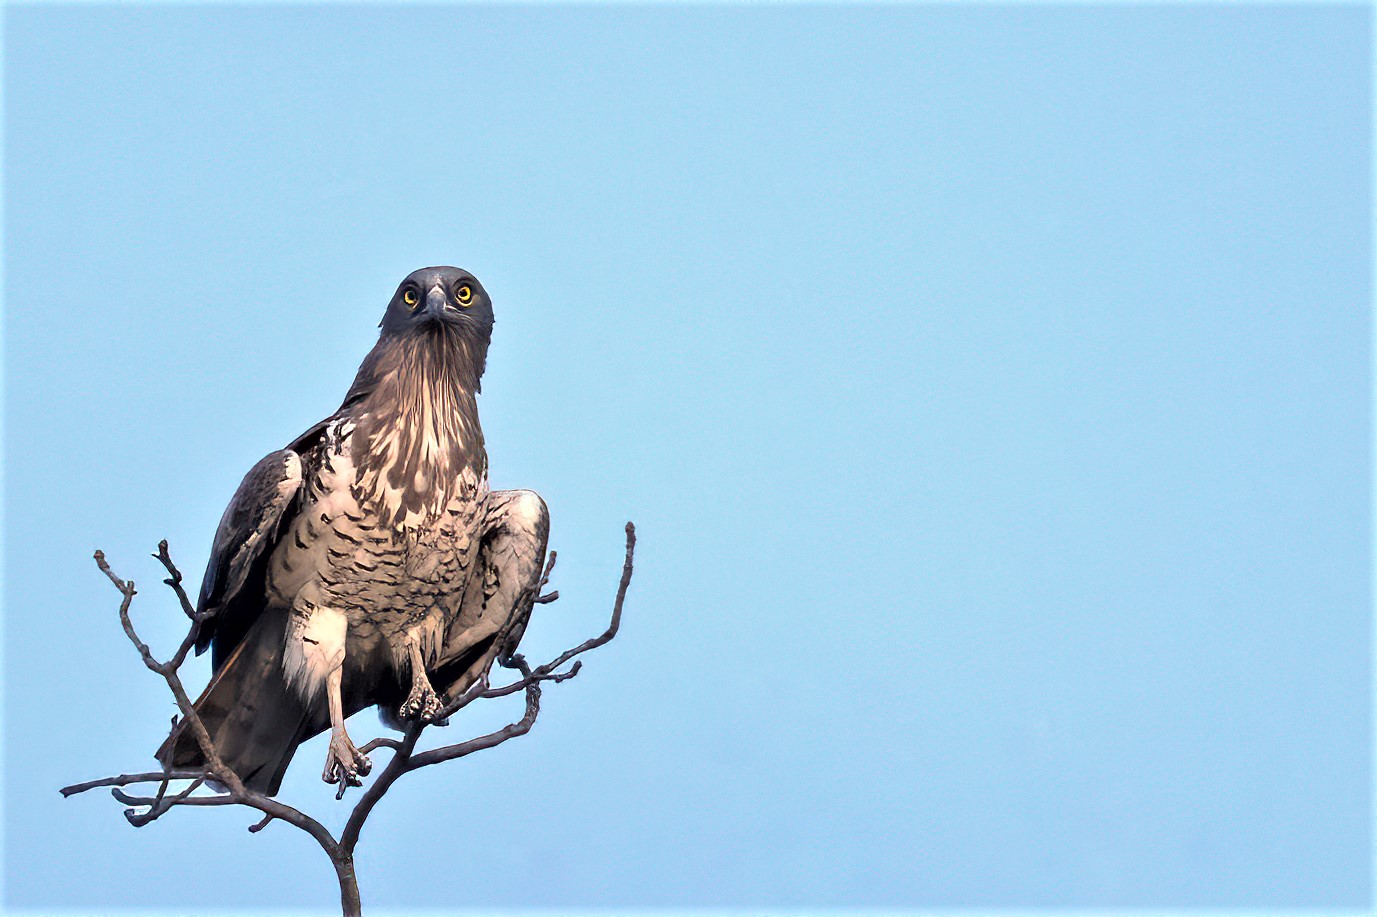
(439, 297)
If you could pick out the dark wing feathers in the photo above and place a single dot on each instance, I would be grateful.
(249, 529)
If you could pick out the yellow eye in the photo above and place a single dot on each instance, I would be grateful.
(464, 294)
(410, 298)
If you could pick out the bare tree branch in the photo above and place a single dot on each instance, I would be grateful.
(520, 727)
(215, 765)
(126, 779)
(182, 798)
(158, 804)
(174, 579)
(545, 581)
(404, 760)
(380, 742)
(547, 670)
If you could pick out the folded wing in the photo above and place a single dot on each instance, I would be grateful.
(232, 593)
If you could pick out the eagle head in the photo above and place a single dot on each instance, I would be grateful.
(439, 300)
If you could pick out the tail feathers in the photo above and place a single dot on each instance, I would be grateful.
(254, 720)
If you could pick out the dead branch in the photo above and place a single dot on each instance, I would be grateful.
(126, 779)
(492, 739)
(215, 765)
(405, 758)
(546, 671)
(381, 742)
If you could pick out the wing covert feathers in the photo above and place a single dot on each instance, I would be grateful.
(247, 532)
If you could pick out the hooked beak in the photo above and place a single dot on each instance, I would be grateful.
(437, 304)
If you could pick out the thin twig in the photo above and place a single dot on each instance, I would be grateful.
(404, 759)
(215, 765)
(174, 579)
(223, 799)
(190, 718)
(474, 691)
(157, 806)
(544, 671)
(537, 675)
(381, 742)
(545, 581)
(126, 779)
(545, 574)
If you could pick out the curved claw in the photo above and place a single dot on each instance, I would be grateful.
(344, 764)
(421, 704)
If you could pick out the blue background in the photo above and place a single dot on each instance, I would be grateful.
(990, 386)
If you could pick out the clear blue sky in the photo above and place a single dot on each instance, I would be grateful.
(990, 385)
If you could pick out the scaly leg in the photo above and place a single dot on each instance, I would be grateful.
(313, 658)
(422, 703)
(343, 762)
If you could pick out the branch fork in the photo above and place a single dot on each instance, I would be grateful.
(145, 809)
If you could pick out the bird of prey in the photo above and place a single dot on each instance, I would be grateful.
(367, 562)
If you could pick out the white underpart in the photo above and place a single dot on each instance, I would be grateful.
(338, 497)
(291, 477)
(440, 425)
(314, 644)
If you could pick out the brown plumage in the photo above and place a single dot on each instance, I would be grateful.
(367, 563)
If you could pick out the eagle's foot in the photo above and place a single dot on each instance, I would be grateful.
(422, 703)
(344, 764)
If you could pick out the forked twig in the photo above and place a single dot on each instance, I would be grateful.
(405, 758)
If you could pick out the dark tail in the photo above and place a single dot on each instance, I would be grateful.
(254, 720)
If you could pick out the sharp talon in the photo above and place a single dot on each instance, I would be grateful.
(344, 765)
(421, 704)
